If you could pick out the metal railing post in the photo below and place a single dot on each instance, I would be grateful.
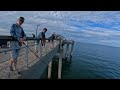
(27, 54)
(35, 45)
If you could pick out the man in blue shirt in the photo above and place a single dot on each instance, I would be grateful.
(18, 33)
(42, 36)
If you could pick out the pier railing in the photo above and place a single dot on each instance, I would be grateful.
(26, 58)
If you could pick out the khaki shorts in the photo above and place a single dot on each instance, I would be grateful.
(15, 53)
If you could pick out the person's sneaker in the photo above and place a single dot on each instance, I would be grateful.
(11, 69)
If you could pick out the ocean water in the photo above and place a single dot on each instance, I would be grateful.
(90, 61)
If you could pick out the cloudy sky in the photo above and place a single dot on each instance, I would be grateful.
(99, 27)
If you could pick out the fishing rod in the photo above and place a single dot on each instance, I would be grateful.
(22, 35)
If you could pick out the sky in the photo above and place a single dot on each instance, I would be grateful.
(97, 27)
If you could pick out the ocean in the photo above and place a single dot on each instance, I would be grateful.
(89, 61)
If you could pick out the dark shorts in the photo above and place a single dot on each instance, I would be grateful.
(43, 41)
(15, 53)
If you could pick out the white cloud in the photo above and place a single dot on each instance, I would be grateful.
(77, 25)
(4, 32)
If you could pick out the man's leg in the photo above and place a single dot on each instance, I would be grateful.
(15, 64)
(11, 62)
(40, 53)
(36, 51)
(44, 46)
(42, 42)
(16, 54)
(12, 59)
(51, 45)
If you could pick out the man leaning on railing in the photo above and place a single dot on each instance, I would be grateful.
(51, 39)
(18, 33)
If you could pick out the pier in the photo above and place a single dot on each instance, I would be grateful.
(32, 64)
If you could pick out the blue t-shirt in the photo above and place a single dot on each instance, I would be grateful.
(40, 35)
(17, 32)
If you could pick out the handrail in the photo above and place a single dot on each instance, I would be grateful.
(10, 38)
(10, 49)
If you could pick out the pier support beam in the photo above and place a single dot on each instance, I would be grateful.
(71, 52)
(35, 45)
(60, 64)
(67, 47)
(49, 69)
(26, 53)
(62, 52)
(39, 50)
(36, 51)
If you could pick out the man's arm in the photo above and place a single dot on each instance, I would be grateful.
(24, 35)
